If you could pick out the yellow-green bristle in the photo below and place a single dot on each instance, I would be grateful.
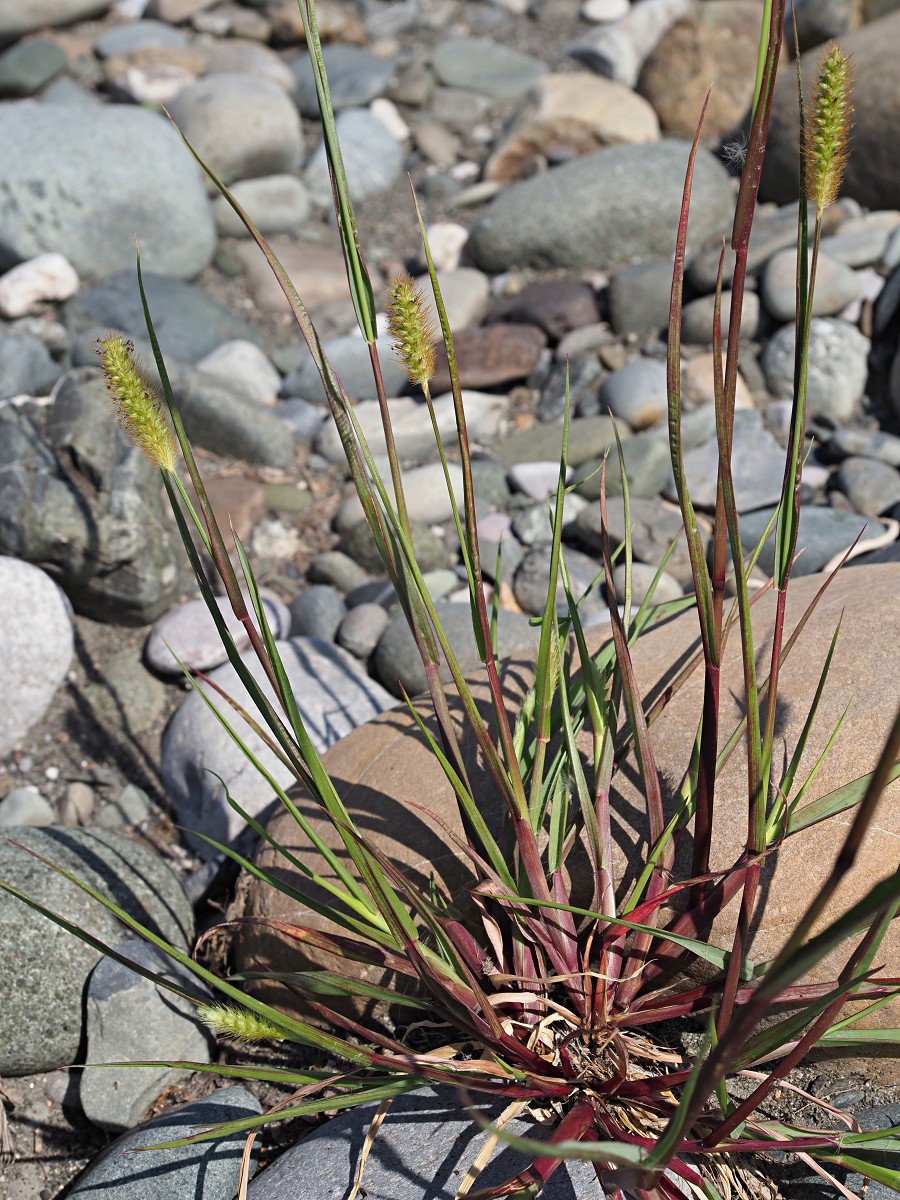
(238, 1024)
(137, 404)
(828, 129)
(411, 329)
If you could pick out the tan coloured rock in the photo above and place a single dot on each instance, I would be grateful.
(384, 768)
(316, 271)
(698, 383)
(576, 113)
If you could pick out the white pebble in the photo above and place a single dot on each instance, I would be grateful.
(28, 286)
(52, 773)
(389, 115)
(603, 11)
(446, 240)
(243, 364)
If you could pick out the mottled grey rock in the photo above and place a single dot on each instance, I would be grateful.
(532, 579)
(86, 505)
(639, 296)
(431, 549)
(25, 806)
(535, 479)
(824, 532)
(333, 696)
(25, 68)
(130, 1018)
(601, 210)
(243, 366)
(355, 76)
(241, 127)
(820, 20)
(42, 967)
(317, 612)
(397, 660)
(836, 286)
(94, 177)
(757, 465)
(426, 492)
(210, 1169)
(486, 66)
(274, 203)
(636, 393)
(350, 360)
(361, 629)
(773, 230)
(424, 1148)
(838, 369)
(584, 375)
(26, 368)
(188, 323)
(304, 418)
(653, 526)
(373, 158)
(872, 487)
(188, 634)
(648, 467)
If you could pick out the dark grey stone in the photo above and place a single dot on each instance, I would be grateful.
(26, 368)
(824, 532)
(867, 444)
(532, 579)
(42, 967)
(884, 1116)
(584, 375)
(338, 569)
(639, 296)
(485, 66)
(317, 612)
(361, 629)
(636, 393)
(431, 549)
(697, 318)
(872, 487)
(25, 68)
(355, 76)
(757, 466)
(820, 20)
(208, 1169)
(648, 467)
(305, 419)
(653, 527)
(188, 323)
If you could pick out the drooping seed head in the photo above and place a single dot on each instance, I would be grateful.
(411, 329)
(828, 129)
(238, 1024)
(137, 404)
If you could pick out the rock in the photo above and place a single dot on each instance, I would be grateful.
(838, 370)
(304, 419)
(876, 110)
(317, 272)
(618, 50)
(872, 487)
(213, 1166)
(653, 527)
(130, 36)
(603, 11)
(377, 764)
(188, 323)
(642, 575)
(86, 504)
(427, 496)
(132, 807)
(274, 203)
(176, 11)
(836, 286)
(16, 19)
(333, 696)
(355, 76)
(361, 629)
(26, 288)
(25, 806)
(862, 247)
(373, 158)
(128, 695)
(490, 356)
(537, 480)
(78, 804)
(129, 1018)
(482, 65)
(584, 375)
(532, 579)
(697, 318)
(241, 56)
(94, 176)
(240, 126)
(570, 115)
(824, 534)
(648, 467)
(188, 633)
(640, 296)
(820, 20)
(25, 68)
(588, 438)
(243, 365)
(397, 663)
(351, 362)
(317, 612)
(338, 569)
(26, 367)
(601, 210)
(757, 464)
(716, 42)
(773, 230)
(431, 549)
(883, 446)
(636, 393)
(556, 306)
(44, 967)
(427, 1136)
(466, 295)
(698, 382)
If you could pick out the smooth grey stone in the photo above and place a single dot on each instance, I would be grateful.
(305, 419)
(872, 487)
(274, 203)
(648, 467)
(584, 374)
(188, 323)
(337, 568)
(350, 360)
(92, 178)
(891, 257)
(883, 1116)
(485, 66)
(820, 20)
(361, 629)
(25, 68)
(639, 296)
(667, 587)
(838, 367)
(129, 1019)
(757, 465)
(240, 125)
(52, 965)
(697, 318)
(427, 497)
(489, 482)
(373, 158)
(333, 696)
(887, 303)
(25, 806)
(397, 662)
(355, 76)
(532, 579)
(16, 18)
(836, 286)
(208, 1169)
(773, 230)
(87, 505)
(653, 526)
(866, 444)
(636, 393)
(64, 90)
(538, 480)
(618, 50)
(601, 210)
(187, 635)
(26, 368)
(135, 35)
(431, 549)
(588, 437)
(532, 525)
(856, 248)
(423, 1149)
(317, 612)
(824, 532)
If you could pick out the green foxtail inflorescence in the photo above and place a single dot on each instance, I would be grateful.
(828, 129)
(412, 329)
(238, 1024)
(137, 403)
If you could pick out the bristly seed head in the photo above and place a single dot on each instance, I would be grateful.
(411, 329)
(828, 129)
(238, 1024)
(137, 404)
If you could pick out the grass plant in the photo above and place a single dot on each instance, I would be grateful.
(552, 1007)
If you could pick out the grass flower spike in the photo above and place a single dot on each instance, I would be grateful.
(136, 401)
(828, 129)
(238, 1024)
(412, 330)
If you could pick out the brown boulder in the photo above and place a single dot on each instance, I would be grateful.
(382, 765)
